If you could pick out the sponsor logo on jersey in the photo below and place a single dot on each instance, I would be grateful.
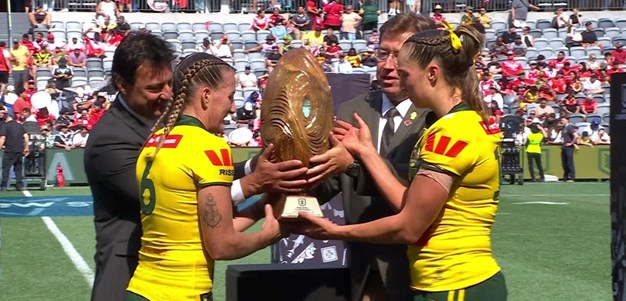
(441, 147)
(221, 158)
(171, 141)
(491, 128)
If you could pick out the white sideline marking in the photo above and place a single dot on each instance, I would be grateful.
(540, 203)
(78, 261)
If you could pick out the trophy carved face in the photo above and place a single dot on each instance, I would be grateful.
(297, 112)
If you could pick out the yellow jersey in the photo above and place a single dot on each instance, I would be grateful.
(455, 252)
(172, 261)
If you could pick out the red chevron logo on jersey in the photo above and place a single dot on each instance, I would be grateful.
(171, 141)
(491, 128)
(224, 158)
(442, 145)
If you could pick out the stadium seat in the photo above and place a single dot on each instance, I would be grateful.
(605, 23)
(543, 24)
(531, 53)
(620, 39)
(532, 24)
(243, 26)
(261, 35)
(239, 54)
(188, 45)
(215, 26)
(599, 32)
(95, 73)
(94, 63)
(153, 27)
(577, 52)
(42, 83)
(216, 35)
(592, 116)
(136, 25)
(257, 64)
(550, 33)
(604, 108)
(170, 35)
(175, 44)
(556, 43)
(248, 91)
(240, 64)
(605, 42)
(345, 45)
(186, 36)
(184, 26)
(79, 72)
(612, 32)
(199, 26)
(594, 22)
(57, 24)
(226, 27)
(576, 118)
(79, 81)
(359, 45)
(541, 43)
(168, 27)
(547, 52)
(200, 35)
(248, 35)
(594, 50)
(234, 35)
(43, 72)
(107, 63)
(298, 44)
(621, 23)
(490, 34)
(599, 98)
(239, 101)
(498, 25)
(536, 33)
(74, 25)
(237, 44)
(250, 44)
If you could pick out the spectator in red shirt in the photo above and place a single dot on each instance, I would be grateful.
(334, 50)
(559, 84)
(333, 11)
(533, 72)
(437, 16)
(547, 94)
(486, 83)
(20, 104)
(43, 116)
(583, 72)
(589, 105)
(560, 60)
(511, 67)
(314, 14)
(619, 54)
(276, 17)
(28, 43)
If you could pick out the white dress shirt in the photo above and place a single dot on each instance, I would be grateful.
(403, 109)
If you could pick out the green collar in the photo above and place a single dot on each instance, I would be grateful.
(190, 120)
(431, 117)
(462, 106)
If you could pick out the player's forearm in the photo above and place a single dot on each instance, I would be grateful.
(239, 245)
(248, 216)
(388, 230)
(390, 188)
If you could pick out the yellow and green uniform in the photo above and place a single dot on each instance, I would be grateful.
(455, 252)
(172, 261)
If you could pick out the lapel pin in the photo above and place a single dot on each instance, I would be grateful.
(413, 115)
(407, 122)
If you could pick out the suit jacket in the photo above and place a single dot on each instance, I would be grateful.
(110, 161)
(362, 202)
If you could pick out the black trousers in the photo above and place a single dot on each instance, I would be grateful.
(12, 159)
(567, 161)
(535, 158)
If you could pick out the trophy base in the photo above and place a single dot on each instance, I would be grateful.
(292, 205)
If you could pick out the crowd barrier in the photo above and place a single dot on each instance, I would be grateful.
(591, 163)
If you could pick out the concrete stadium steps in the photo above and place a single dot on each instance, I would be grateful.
(19, 26)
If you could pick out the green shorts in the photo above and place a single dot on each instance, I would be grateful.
(130, 296)
(492, 289)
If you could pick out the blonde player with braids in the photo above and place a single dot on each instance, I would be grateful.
(184, 173)
(446, 214)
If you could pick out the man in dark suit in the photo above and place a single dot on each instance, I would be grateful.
(378, 272)
(142, 73)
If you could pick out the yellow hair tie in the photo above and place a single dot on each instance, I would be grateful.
(454, 39)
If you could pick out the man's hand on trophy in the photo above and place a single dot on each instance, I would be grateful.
(315, 227)
(332, 162)
(356, 139)
(285, 177)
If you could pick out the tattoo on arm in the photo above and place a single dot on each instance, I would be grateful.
(211, 215)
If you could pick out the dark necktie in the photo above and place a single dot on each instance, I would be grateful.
(388, 130)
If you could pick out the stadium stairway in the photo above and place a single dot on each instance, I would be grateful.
(19, 26)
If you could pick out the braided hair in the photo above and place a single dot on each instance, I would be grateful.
(195, 70)
(457, 63)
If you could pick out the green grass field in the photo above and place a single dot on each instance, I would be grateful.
(551, 239)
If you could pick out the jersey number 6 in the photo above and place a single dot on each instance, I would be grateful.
(148, 198)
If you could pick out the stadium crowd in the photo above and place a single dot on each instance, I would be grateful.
(71, 64)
